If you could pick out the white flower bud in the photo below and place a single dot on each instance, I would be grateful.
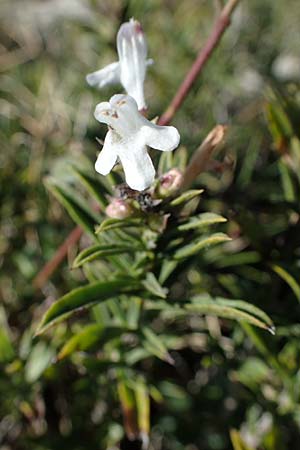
(118, 209)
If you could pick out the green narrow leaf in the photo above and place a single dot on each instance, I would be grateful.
(113, 224)
(39, 359)
(228, 312)
(143, 407)
(244, 306)
(180, 158)
(287, 183)
(165, 162)
(186, 197)
(168, 266)
(250, 157)
(93, 186)
(6, 347)
(261, 346)
(237, 442)
(200, 244)
(79, 212)
(117, 311)
(154, 345)
(83, 297)
(87, 338)
(133, 312)
(127, 400)
(102, 251)
(201, 221)
(288, 279)
(238, 259)
(153, 286)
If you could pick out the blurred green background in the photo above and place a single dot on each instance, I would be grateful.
(229, 380)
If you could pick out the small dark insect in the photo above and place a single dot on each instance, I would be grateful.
(145, 201)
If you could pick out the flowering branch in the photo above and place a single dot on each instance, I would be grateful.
(218, 30)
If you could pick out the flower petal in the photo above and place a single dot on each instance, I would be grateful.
(105, 114)
(138, 168)
(132, 50)
(108, 155)
(106, 76)
(160, 138)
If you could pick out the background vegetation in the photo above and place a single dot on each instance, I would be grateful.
(232, 386)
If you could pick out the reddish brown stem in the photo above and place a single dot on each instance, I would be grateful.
(219, 28)
(57, 258)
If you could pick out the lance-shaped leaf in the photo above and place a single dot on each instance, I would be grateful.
(133, 312)
(84, 297)
(153, 286)
(6, 347)
(200, 244)
(114, 224)
(88, 337)
(143, 408)
(165, 162)
(76, 207)
(93, 185)
(238, 304)
(288, 278)
(102, 251)
(227, 309)
(237, 441)
(127, 400)
(154, 345)
(167, 267)
(186, 197)
(201, 221)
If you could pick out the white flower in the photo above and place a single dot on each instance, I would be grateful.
(130, 70)
(127, 139)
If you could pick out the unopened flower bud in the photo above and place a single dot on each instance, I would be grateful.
(118, 209)
(170, 182)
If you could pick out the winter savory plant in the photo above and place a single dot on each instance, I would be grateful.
(148, 237)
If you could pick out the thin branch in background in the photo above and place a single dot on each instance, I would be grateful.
(57, 258)
(204, 54)
(221, 24)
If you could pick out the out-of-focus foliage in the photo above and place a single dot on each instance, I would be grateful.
(231, 386)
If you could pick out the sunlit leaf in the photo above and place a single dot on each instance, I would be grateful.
(294, 285)
(186, 197)
(113, 224)
(201, 221)
(237, 441)
(102, 251)
(153, 286)
(83, 297)
(6, 347)
(229, 310)
(200, 244)
(87, 338)
(154, 345)
(39, 359)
